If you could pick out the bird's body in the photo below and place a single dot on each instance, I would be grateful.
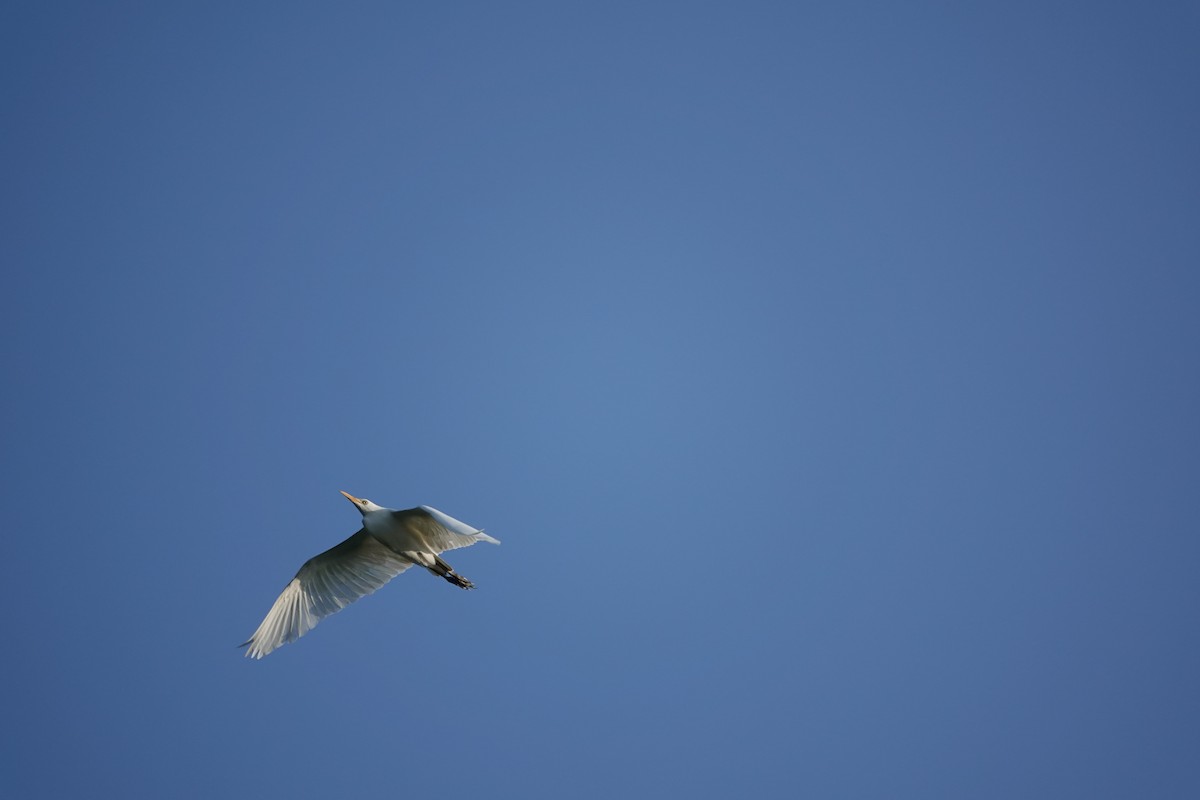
(390, 542)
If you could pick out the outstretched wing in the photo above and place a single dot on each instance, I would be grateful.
(439, 532)
(325, 585)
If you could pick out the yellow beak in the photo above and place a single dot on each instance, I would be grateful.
(352, 498)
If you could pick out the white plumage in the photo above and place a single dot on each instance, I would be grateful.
(390, 542)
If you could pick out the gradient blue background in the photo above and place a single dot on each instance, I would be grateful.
(829, 370)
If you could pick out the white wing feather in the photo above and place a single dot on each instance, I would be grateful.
(326, 584)
(441, 531)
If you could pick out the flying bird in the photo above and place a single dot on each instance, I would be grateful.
(389, 542)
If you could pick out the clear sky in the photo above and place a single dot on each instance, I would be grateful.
(830, 372)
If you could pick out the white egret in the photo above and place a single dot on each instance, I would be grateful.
(389, 542)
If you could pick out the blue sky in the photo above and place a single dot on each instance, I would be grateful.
(828, 370)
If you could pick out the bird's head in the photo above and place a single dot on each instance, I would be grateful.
(362, 504)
